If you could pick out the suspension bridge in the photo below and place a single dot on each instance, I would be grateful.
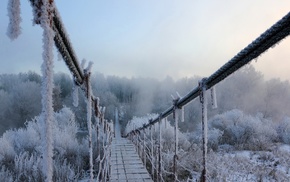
(137, 157)
(125, 162)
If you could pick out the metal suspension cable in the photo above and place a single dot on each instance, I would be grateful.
(269, 38)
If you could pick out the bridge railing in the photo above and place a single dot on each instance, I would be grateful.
(103, 139)
(47, 16)
(268, 39)
(82, 76)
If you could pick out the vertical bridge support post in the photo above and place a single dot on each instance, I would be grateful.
(159, 177)
(152, 151)
(139, 142)
(203, 100)
(144, 147)
(89, 120)
(175, 158)
(44, 17)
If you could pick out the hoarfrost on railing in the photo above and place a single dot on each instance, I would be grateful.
(14, 29)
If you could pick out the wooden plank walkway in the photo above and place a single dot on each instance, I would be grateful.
(126, 166)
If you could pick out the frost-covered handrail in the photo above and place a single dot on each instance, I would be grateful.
(63, 44)
(46, 15)
(81, 76)
(268, 39)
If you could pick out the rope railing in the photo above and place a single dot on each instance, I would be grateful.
(268, 39)
(62, 42)
(149, 146)
(104, 138)
(82, 79)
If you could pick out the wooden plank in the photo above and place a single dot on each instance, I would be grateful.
(126, 165)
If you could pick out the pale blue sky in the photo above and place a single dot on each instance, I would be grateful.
(152, 38)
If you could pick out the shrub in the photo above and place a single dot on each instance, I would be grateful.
(243, 131)
(283, 130)
(20, 151)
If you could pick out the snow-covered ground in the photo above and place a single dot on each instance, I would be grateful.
(247, 165)
(244, 148)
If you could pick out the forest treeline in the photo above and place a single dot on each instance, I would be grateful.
(246, 90)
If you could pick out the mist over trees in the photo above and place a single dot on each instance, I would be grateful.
(241, 147)
(246, 90)
(249, 130)
(248, 134)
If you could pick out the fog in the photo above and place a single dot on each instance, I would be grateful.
(246, 90)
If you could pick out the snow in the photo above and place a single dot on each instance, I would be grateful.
(138, 122)
(47, 103)
(47, 88)
(89, 123)
(252, 165)
(83, 63)
(285, 148)
(226, 162)
(176, 131)
(203, 100)
(14, 29)
(242, 158)
(243, 154)
(213, 97)
(182, 114)
(117, 125)
(165, 122)
(88, 69)
(75, 96)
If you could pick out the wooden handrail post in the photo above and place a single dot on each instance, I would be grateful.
(152, 151)
(175, 117)
(203, 100)
(160, 154)
(144, 147)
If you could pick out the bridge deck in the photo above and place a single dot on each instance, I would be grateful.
(126, 166)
